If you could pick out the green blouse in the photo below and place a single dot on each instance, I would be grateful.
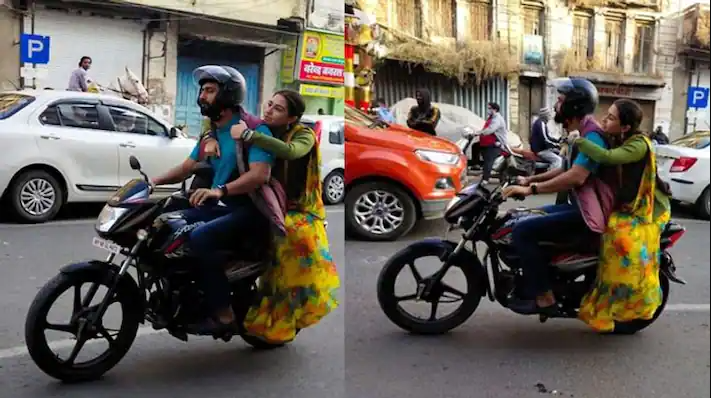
(292, 159)
(631, 151)
(300, 145)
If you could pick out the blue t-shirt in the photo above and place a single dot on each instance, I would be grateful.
(225, 165)
(583, 160)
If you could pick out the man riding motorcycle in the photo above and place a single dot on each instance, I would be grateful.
(222, 91)
(592, 199)
(543, 144)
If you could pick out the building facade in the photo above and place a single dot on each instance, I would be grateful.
(402, 45)
(684, 61)
(161, 42)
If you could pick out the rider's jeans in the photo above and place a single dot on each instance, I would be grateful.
(207, 238)
(560, 220)
(553, 159)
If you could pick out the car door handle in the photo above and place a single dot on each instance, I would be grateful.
(49, 137)
(127, 145)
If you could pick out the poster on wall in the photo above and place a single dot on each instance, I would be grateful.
(326, 16)
(288, 61)
(321, 58)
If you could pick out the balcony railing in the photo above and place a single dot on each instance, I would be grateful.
(695, 27)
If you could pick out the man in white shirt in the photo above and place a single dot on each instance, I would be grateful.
(78, 79)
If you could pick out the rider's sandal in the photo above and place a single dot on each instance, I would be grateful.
(531, 307)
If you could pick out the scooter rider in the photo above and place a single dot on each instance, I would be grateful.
(577, 101)
(222, 90)
(543, 144)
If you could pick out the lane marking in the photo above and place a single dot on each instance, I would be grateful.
(688, 307)
(20, 351)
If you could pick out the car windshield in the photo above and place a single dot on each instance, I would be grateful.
(361, 119)
(695, 140)
(11, 103)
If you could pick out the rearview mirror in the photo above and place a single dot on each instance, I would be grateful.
(135, 164)
(173, 132)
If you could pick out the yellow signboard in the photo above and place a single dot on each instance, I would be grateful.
(288, 61)
(321, 58)
(313, 90)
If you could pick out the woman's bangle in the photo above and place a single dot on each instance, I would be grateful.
(247, 135)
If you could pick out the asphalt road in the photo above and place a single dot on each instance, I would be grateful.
(357, 352)
(158, 365)
(499, 354)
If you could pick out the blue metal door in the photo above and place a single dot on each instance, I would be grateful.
(186, 109)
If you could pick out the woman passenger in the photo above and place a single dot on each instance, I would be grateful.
(627, 286)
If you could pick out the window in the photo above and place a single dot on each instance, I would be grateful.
(336, 135)
(532, 21)
(643, 42)
(130, 121)
(614, 44)
(582, 37)
(10, 104)
(442, 18)
(480, 20)
(408, 17)
(533, 50)
(76, 115)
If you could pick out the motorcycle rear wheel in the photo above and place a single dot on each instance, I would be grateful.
(36, 324)
(632, 327)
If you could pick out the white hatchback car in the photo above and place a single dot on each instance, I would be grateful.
(330, 133)
(684, 164)
(64, 146)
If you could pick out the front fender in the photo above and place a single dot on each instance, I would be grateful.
(126, 284)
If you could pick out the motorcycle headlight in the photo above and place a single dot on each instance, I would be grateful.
(108, 217)
(438, 157)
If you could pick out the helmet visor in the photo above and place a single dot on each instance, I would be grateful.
(210, 72)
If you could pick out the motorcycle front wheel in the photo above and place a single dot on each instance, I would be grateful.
(41, 349)
(390, 303)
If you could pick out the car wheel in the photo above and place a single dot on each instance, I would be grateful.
(36, 197)
(703, 207)
(379, 211)
(334, 187)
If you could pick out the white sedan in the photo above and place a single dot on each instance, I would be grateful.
(330, 133)
(684, 164)
(63, 146)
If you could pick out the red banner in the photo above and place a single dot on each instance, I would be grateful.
(320, 72)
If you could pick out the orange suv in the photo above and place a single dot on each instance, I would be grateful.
(395, 176)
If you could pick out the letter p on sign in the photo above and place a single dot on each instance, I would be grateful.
(34, 49)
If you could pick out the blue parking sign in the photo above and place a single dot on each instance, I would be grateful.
(697, 97)
(34, 49)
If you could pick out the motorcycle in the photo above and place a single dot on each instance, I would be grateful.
(573, 259)
(152, 237)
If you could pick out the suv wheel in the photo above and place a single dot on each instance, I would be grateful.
(334, 187)
(379, 211)
(36, 197)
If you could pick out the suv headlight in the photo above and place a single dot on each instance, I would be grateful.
(108, 217)
(438, 157)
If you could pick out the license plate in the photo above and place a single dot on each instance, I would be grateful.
(106, 245)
